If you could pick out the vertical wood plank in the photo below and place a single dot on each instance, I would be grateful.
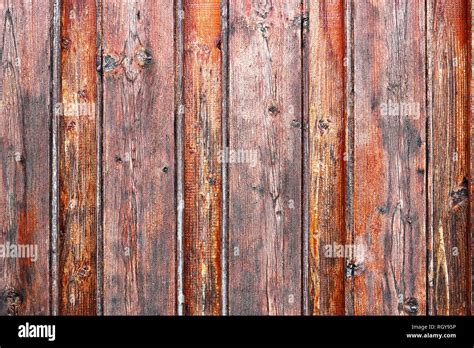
(77, 159)
(265, 164)
(202, 167)
(471, 149)
(389, 158)
(138, 163)
(450, 270)
(326, 156)
(25, 177)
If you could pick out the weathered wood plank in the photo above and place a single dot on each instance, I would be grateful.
(326, 156)
(77, 159)
(471, 177)
(449, 235)
(202, 165)
(25, 177)
(138, 163)
(265, 157)
(389, 158)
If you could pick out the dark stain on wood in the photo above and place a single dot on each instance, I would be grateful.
(25, 155)
(389, 121)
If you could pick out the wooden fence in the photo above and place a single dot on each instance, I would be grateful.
(231, 157)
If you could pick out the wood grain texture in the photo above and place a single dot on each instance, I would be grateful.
(450, 270)
(265, 172)
(77, 159)
(208, 157)
(326, 156)
(202, 165)
(139, 165)
(389, 158)
(25, 177)
(471, 150)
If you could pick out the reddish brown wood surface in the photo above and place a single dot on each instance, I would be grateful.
(25, 176)
(450, 263)
(211, 157)
(265, 180)
(471, 150)
(77, 159)
(325, 40)
(202, 165)
(389, 158)
(139, 162)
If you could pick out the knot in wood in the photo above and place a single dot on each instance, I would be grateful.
(323, 125)
(13, 301)
(411, 306)
(65, 43)
(144, 57)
